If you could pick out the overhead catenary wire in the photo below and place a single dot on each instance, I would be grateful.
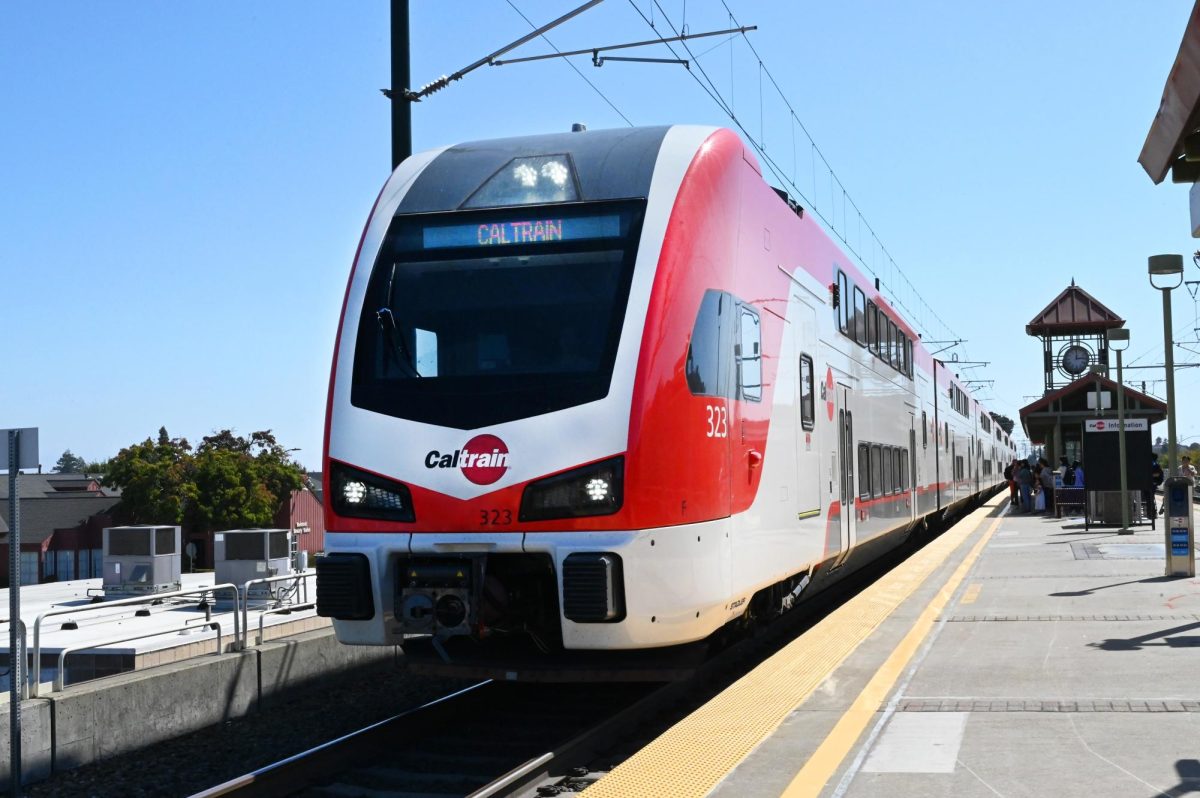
(758, 143)
(594, 87)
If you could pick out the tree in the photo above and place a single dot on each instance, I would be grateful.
(229, 482)
(70, 463)
(96, 467)
(241, 482)
(155, 479)
(1006, 423)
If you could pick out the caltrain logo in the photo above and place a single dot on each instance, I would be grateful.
(483, 459)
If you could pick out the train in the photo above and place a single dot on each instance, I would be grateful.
(608, 392)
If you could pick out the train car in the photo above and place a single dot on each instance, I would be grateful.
(611, 391)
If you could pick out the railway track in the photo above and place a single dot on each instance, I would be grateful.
(527, 739)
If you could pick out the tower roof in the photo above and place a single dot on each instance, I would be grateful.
(1073, 311)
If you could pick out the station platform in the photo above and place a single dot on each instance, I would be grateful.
(1015, 655)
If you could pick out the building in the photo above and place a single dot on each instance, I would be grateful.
(62, 517)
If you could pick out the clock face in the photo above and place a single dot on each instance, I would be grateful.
(1076, 359)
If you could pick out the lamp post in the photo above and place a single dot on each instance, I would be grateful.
(1167, 267)
(1118, 341)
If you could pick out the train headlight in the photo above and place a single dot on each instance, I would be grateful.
(359, 494)
(531, 179)
(595, 489)
(354, 491)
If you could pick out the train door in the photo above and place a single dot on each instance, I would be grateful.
(808, 447)
(954, 475)
(845, 471)
(913, 478)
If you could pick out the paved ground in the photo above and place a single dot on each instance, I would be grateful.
(1064, 664)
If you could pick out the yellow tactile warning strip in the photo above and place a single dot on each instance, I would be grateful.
(692, 757)
(971, 593)
(824, 762)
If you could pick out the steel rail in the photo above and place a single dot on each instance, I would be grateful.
(295, 772)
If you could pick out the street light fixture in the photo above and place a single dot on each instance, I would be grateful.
(1168, 267)
(1118, 341)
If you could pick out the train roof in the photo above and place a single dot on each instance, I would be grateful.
(609, 165)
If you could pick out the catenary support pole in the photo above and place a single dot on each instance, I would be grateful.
(16, 653)
(401, 108)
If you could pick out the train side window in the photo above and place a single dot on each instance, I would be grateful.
(844, 300)
(888, 473)
(924, 431)
(864, 471)
(873, 327)
(808, 412)
(749, 356)
(904, 483)
(703, 367)
(947, 441)
(899, 471)
(876, 470)
(860, 316)
(908, 356)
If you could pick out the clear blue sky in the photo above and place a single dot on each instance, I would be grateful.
(184, 184)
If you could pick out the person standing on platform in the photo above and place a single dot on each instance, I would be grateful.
(1156, 481)
(1186, 469)
(1047, 477)
(1010, 477)
(1025, 485)
(1064, 465)
(1078, 469)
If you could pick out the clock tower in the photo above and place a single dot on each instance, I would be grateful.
(1072, 329)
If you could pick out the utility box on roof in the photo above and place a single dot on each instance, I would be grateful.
(141, 560)
(243, 555)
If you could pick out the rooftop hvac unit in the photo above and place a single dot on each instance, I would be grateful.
(243, 555)
(141, 560)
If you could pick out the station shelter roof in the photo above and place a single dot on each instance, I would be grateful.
(1068, 405)
(1074, 311)
(1179, 110)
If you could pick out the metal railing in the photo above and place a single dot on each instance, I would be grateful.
(245, 596)
(284, 610)
(60, 678)
(35, 671)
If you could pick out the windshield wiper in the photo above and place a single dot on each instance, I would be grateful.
(397, 347)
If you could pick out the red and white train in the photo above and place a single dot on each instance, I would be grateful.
(609, 390)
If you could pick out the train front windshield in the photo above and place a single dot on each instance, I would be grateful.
(477, 318)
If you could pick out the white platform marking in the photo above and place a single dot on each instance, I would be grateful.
(918, 743)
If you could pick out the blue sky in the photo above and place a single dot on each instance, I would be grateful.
(186, 182)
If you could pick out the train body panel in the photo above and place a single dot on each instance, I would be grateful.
(727, 430)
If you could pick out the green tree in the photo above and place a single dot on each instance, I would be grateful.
(1006, 423)
(96, 467)
(155, 478)
(241, 482)
(70, 463)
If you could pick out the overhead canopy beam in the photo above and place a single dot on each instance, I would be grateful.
(1179, 112)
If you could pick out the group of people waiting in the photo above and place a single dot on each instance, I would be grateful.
(1031, 487)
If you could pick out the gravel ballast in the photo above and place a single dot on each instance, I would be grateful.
(306, 718)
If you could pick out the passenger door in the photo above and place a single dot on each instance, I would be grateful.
(846, 453)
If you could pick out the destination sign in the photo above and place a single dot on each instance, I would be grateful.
(523, 231)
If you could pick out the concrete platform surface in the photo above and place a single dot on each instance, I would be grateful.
(1065, 664)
